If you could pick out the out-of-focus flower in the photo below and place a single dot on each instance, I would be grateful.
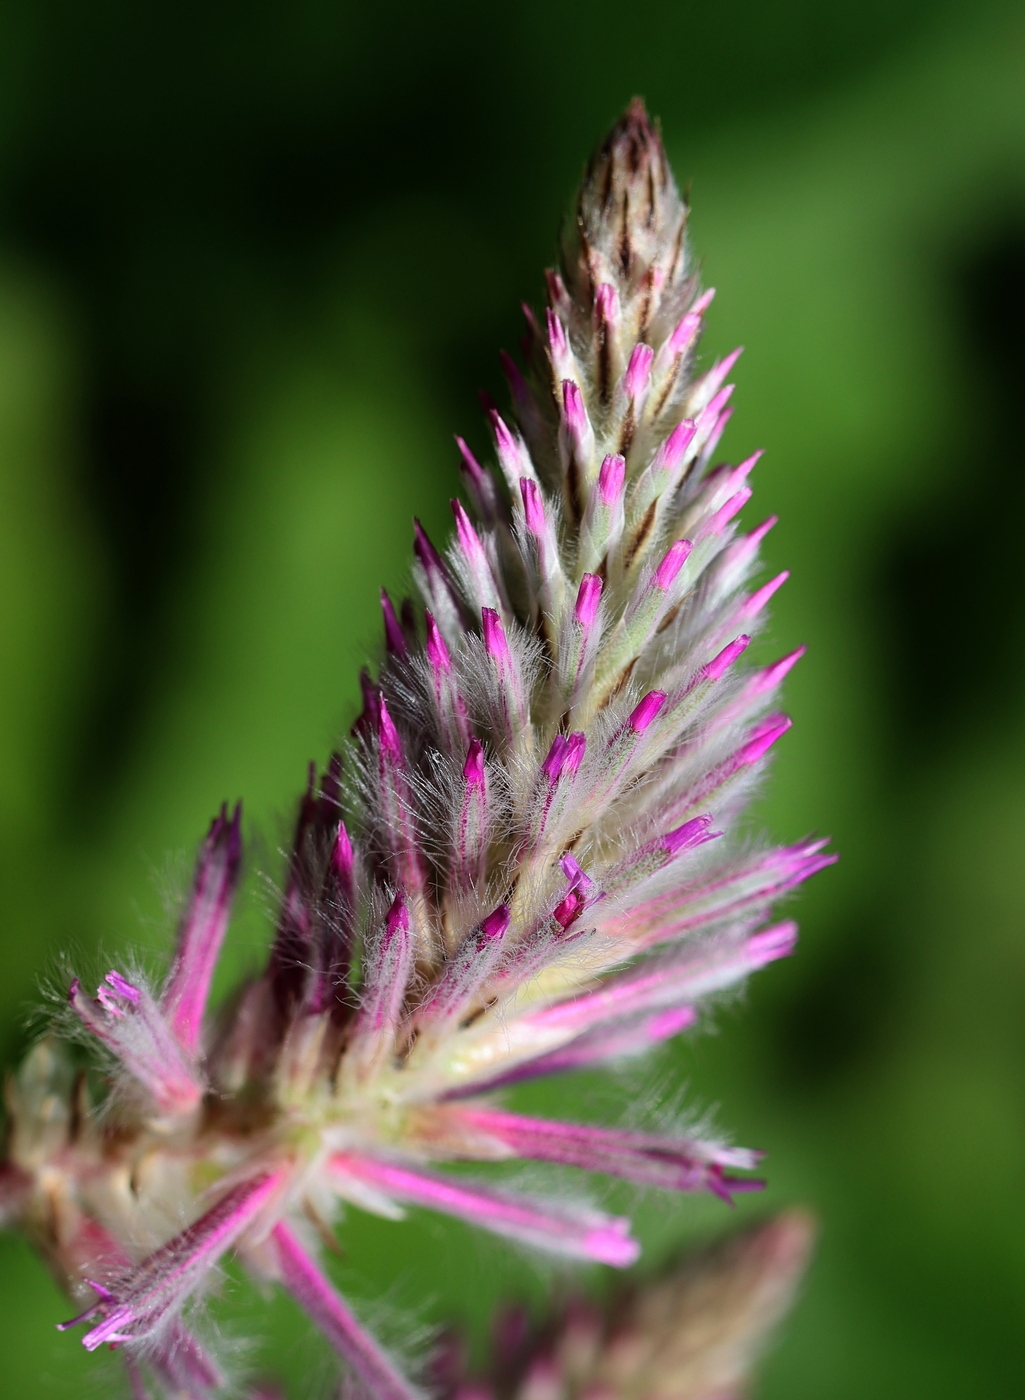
(526, 860)
(693, 1334)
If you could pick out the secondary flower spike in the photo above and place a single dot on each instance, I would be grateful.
(695, 1333)
(528, 857)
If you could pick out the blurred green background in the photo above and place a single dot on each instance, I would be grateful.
(255, 260)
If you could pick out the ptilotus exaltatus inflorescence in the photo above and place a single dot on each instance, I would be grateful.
(525, 860)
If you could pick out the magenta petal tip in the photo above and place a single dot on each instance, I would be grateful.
(779, 941)
(612, 1246)
(588, 598)
(692, 833)
(673, 561)
(495, 641)
(647, 711)
(638, 370)
(397, 920)
(611, 477)
(435, 648)
(496, 923)
(719, 665)
(473, 767)
(533, 506)
(763, 738)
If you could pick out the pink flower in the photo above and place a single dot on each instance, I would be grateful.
(526, 859)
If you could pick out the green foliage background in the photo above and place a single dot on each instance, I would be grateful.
(254, 261)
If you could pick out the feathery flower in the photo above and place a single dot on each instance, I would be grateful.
(525, 860)
(693, 1334)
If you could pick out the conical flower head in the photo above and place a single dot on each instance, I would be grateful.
(526, 859)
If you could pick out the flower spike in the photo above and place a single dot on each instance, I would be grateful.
(529, 857)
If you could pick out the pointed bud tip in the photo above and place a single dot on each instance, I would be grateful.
(675, 557)
(647, 711)
(473, 767)
(397, 919)
(565, 756)
(588, 600)
(720, 664)
(569, 908)
(716, 523)
(505, 441)
(394, 637)
(342, 854)
(614, 1246)
(557, 342)
(123, 987)
(611, 478)
(606, 304)
(533, 506)
(684, 333)
(757, 601)
(425, 551)
(573, 407)
(469, 466)
(387, 734)
(634, 150)
(635, 381)
(556, 286)
(779, 941)
(676, 444)
(775, 674)
(435, 648)
(574, 872)
(668, 1023)
(495, 642)
(576, 745)
(692, 833)
(496, 923)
